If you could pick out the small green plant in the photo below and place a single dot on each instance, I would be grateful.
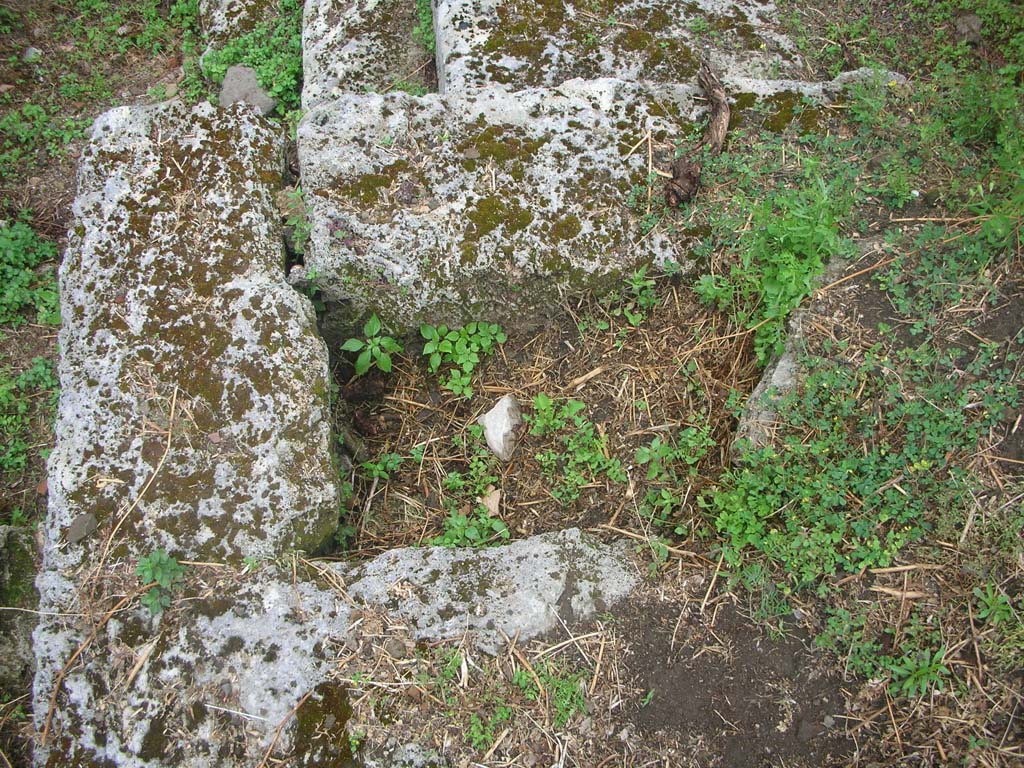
(23, 283)
(660, 456)
(413, 89)
(297, 218)
(480, 733)
(917, 673)
(993, 606)
(477, 529)
(792, 235)
(825, 498)
(18, 408)
(581, 454)
(469, 522)
(165, 573)
(382, 468)
(461, 349)
(650, 206)
(374, 350)
(423, 32)
(273, 49)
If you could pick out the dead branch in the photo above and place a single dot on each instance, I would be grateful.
(687, 169)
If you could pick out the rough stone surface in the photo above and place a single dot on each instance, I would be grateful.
(500, 424)
(222, 20)
(521, 589)
(365, 45)
(522, 44)
(203, 685)
(193, 414)
(208, 682)
(240, 86)
(430, 209)
(17, 569)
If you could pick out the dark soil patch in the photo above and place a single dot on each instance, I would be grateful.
(738, 697)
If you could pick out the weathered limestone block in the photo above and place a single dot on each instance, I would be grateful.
(223, 20)
(205, 685)
(521, 589)
(17, 591)
(177, 322)
(521, 43)
(358, 46)
(193, 417)
(489, 205)
(242, 664)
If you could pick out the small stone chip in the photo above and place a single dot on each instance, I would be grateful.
(81, 527)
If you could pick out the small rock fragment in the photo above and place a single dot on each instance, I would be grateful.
(500, 424)
(31, 55)
(395, 648)
(240, 85)
(968, 29)
(81, 527)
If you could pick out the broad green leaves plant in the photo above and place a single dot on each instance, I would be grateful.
(166, 572)
(461, 350)
(374, 350)
(23, 282)
(581, 454)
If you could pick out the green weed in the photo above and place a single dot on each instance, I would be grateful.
(469, 522)
(273, 49)
(24, 281)
(167, 574)
(461, 350)
(423, 32)
(17, 407)
(792, 235)
(382, 468)
(866, 461)
(374, 350)
(581, 454)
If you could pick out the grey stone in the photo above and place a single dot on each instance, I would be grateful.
(19, 597)
(357, 46)
(491, 42)
(781, 377)
(518, 590)
(174, 298)
(31, 55)
(500, 424)
(83, 525)
(405, 756)
(226, 670)
(407, 224)
(177, 324)
(240, 85)
(968, 29)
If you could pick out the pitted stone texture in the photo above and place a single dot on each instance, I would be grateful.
(204, 685)
(487, 206)
(176, 317)
(18, 595)
(223, 20)
(357, 46)
(520, 590)
(524, 43)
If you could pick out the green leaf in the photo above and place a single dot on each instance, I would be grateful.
(353, 345)
(384, 362)
(363, 362)
(373, 326)
(390, 344)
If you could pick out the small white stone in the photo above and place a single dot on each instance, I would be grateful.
(500, 424)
